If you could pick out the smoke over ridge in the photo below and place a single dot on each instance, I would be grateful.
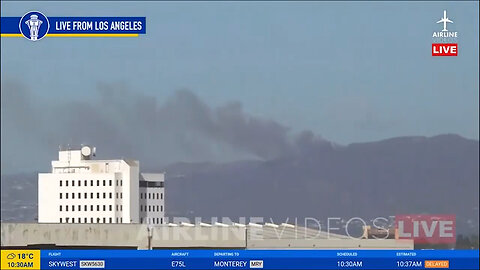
(124, 123)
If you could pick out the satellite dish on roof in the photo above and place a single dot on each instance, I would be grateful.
(86, 151)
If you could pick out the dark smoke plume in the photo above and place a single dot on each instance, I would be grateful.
(124, 123)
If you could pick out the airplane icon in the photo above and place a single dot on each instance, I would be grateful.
(445, 20)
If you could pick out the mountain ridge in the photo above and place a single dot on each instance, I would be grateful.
(401, 175)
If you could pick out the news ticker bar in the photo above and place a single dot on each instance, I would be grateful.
(240, 259)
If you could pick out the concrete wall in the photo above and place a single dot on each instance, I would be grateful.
(142, 236)
(329, 244)
(198, 237)
(23, 234)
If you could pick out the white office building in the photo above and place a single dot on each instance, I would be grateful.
(80, 189)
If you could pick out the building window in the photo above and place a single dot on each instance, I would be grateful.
(161, 220)
(104, 207)
(121, 207)
(149, 195)
(85, 195)
(98, 207)
(85, 220)
(85, 184)
(161, 208)
(91, 209)
(60, 208)
(121, 182)
(73, 208)
(66, 184)
(116, 183)
(73, 195)
(79, 184)
(73, 184)
(98, 183)
(98, 220)
(80, 195)
(110, 219)
(66, 207)
(104, 195)
(66, 195)
(161, 196)
(60, 182)
(91, 184)
(60, 220)
(157, 196)
(157, 208)
(98, 195)
(110, 195)
(79, 208)
(85, 209)
(104, 219)
(103, 182)
(110, 184)
(91, 220)
(110, 207)
(116, 195)
(60, 195)
(149, 208)
(91, 195)
(141, 208)
(73, 220)
(121, 196)
(79, 220)
(121, 220)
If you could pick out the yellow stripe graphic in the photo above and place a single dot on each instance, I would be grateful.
(77, 35)
(11, 35)
(92, 35)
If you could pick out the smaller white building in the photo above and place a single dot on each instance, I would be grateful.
(151, 198)
(80, 189)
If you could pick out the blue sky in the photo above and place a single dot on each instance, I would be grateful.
(349, 71)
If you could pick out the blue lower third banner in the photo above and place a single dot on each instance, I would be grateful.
(35, 25)
(256, 259)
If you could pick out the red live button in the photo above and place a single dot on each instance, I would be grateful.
(444, 49)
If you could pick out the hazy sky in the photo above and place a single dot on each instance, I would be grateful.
(348, 71)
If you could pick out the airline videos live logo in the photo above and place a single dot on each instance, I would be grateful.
(445, 42)
(432, 229)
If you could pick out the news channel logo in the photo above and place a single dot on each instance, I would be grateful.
(34, 25)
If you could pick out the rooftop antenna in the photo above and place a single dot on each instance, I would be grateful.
(69, 154)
